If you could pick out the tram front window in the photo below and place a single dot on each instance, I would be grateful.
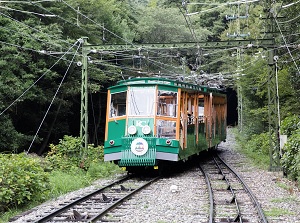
(141, 101)
(118, 104)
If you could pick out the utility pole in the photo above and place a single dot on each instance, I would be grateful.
(84, 101)
(273, 110)
(238, 35)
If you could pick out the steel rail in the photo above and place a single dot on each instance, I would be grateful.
(239, 216)
(257, 205)
(120, 201)
(211, 201)
(79, 200)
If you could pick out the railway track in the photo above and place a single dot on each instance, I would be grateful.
(94, 206)
(231, 200)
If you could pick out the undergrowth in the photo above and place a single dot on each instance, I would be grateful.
(27, 181)
(256, 148)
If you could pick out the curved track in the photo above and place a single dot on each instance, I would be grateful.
(231, 200)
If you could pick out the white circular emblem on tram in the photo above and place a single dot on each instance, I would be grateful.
(139, 146)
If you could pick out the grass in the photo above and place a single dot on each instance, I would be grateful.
(62, 183)
(277, 212)
(286, 199)
(257, 158)
(283, 185)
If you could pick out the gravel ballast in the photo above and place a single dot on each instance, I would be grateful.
(188, 202)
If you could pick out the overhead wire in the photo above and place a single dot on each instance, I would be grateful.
(219, 6)
(43, 52)
(291, 20)
(58, 16)
(101, 26)
(16, 100)
(27, 12)
(285, 42)
(28, 2)
(60, 84)
(50, 36)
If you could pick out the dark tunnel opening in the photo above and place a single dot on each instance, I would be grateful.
(232, 114)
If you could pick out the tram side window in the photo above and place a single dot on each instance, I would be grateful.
(167, 103)
(201, 111)
(118, 104)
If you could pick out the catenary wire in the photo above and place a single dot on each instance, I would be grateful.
(33, 28)
(38, 51)
(60, 84)
(37, 80)
(287, 47)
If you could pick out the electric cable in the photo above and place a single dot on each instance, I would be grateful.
(37, 51)
(101, 26)
(33, 28)
(287, 47)
(28, 2)
(58, 16)
(37, 80)
(60, 84)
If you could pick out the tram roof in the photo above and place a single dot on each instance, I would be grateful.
(165, 82)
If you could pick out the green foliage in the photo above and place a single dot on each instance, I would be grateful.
(103, 169)
(277, 212)
(156, 25)
(290, 160)
(259, 144)
(291, 156)
(69, 154)
(22, 179)
(289, 125)
(256, 147)
(63, 182)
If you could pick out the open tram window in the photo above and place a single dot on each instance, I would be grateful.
(166, 129)
(201, 110)
(167, 103)
(118, 104)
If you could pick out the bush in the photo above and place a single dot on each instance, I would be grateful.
(68, 157)
(289, 125)
(22, 178)
(259, 143)
(291, 156)
(68, 154)
(102, 169)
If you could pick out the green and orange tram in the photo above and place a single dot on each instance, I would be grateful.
(150, 121)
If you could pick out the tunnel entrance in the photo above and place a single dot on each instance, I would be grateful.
(232, 113)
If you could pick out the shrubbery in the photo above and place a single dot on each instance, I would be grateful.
(291, 151)
(259, 143)
(67, 154)
(26, 178)
(22, 178)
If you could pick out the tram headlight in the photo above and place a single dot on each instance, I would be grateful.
(168, 141)
(146, 129)
(132, 130)
(111, 142)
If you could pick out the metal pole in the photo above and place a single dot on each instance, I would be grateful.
(273, 95)
(84, 101)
